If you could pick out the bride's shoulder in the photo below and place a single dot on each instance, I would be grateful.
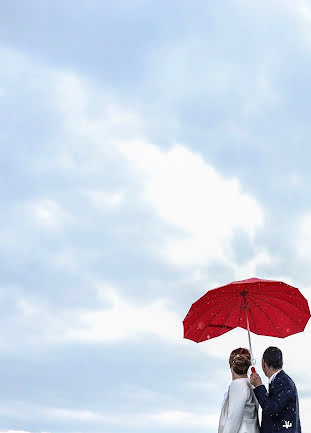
(240, 383)
(239, 388)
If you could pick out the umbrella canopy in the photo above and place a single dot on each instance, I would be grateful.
(264, 307)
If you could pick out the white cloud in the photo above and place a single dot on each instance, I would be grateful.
(184, 419)
(18, 431)
(192, 196)
(249, 269)
(203, 207)
(305, 414)
(89, 113)
(161, 418)
(298, 12)
(177, 184)
(103, 199)
(65, 259)
(48, 214)
(115, 319)
(24, 409)
(31, 313)
(301, 8)
(77, 414)
(209, 383)
(124, 320)
(182, 189)
(303, 236)
(137, 392)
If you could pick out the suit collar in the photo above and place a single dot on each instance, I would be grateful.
(279, 375)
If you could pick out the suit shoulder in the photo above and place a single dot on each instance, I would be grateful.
(289, 381)
(285, 382)
(284, 378)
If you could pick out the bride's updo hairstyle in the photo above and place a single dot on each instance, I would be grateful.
(240, 361)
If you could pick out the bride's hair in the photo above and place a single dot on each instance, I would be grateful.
(240, 360)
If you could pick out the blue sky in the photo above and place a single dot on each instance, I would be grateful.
(150, 151)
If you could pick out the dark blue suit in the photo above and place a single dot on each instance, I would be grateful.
(280, 408)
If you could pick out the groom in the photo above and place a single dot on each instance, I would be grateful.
(280, 408)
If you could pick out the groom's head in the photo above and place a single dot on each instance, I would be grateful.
(272, 360)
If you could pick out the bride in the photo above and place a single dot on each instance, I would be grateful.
(240, 409)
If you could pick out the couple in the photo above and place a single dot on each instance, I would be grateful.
(280, 409)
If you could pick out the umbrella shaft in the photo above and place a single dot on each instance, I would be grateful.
(249, 334)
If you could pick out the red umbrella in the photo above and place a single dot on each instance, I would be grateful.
(264, 307)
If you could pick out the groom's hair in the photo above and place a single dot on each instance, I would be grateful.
(273, 357)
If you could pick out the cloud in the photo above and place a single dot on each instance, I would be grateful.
(184, 419)
(303, 236)
(48, 214)
(124, 320)
(200, 207)
(189, 194)
(138, 419)
(300, 8)
(76, 414)
(194, 207)
(114, 319)
(304, 410)
(24, 409)
(19, 431)
(30, 314)
(103, 199)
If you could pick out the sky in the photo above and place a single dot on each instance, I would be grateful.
(150, 151)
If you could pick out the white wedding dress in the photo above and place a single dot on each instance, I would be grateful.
(239, 413)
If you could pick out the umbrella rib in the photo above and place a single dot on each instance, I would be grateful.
(212, 305)
(285, 314)
(240, 313)
(214, 318)
(296, 295)
(275, 297)
(207, 301)
(266, 315)
(201, 317)
(253, 319)
(205, 311)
